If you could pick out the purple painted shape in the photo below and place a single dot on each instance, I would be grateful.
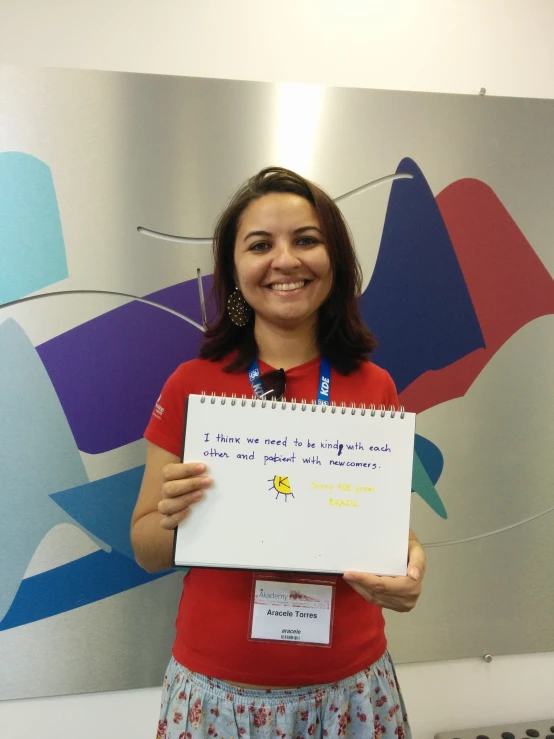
(109, 371)
(184, 297)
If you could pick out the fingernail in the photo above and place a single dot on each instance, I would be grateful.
(199, 494)
(349, 576)
(414, 573)
(206, 481)
(200, 468)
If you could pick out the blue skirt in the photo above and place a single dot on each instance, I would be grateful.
(365, 705)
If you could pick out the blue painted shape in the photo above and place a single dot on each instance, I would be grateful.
(83, 581)
(104, 507)
(424, 487)
(38, 456)
(32, 250)
(417, 302)
(431, 457)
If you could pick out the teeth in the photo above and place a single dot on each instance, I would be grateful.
(289, 285)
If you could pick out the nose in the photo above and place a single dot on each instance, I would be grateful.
(284, 257)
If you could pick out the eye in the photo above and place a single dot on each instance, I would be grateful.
(307, 241)
(259, 246)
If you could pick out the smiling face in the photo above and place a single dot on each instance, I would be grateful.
(282, 266)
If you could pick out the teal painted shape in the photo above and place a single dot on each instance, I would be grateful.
(104, 507)
(38, 457)
(423, 486)
(431, 457)
(32, 250)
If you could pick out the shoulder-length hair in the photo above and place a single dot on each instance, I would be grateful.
(342, 335)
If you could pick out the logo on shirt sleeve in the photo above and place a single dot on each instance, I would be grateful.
(158, 409)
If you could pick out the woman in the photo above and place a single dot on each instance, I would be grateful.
(286, 283)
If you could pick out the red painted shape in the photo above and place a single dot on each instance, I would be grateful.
(508, 284)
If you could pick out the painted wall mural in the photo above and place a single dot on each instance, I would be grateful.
(454, 280)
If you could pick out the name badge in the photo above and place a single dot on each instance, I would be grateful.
(298, 612)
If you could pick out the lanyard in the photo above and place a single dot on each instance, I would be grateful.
(324, 380)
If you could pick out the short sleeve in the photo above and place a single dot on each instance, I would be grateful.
(390, 396)
(165, 428)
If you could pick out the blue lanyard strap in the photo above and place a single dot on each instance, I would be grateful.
(324, 389)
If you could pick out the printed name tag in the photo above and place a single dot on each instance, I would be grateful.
(298, 612)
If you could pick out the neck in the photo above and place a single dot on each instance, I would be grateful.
(285, 348)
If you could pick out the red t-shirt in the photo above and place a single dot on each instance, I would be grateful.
(213, 620)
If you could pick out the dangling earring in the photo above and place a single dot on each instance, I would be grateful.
(238, 309)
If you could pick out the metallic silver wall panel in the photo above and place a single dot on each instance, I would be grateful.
(119, 151)
(115, 643)
(490, 596)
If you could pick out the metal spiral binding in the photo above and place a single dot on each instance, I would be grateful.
(373, 410)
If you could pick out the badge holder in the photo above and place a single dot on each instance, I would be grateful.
(292, 608)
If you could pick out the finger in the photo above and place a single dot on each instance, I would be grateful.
(363, 578)
(171, 522)
(398, 587)
(382, 586)
(376, 583)
(176, 488)
(383, 601)
(416, 560)
(182, 471)
(170, 506)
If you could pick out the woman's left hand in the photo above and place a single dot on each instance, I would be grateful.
(396, 593)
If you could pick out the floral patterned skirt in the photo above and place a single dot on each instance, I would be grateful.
(366, 705)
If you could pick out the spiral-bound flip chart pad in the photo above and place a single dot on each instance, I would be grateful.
(298, 487)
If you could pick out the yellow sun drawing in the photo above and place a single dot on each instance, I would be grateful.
(282, 486)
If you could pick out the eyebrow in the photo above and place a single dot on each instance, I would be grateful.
(296, 231)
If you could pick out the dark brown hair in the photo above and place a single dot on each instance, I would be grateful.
(342, 335)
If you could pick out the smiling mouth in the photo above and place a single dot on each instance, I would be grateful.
(288, 286)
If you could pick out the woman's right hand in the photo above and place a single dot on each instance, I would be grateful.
(182, 485)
